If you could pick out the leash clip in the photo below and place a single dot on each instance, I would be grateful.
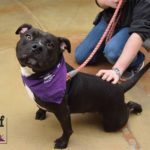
(71, 74)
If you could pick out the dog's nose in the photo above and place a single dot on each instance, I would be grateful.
(36, 48)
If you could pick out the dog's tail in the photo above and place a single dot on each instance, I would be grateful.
(131, 82)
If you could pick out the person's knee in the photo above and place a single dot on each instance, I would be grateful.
(110, 53)
(78, 56)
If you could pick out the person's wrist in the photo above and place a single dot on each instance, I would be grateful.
(117, 71)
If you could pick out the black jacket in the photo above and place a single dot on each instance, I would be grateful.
(135, 14)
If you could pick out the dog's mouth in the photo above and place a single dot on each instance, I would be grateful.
(29, 62)
(32, 63)
(35, 65)
(38, 63)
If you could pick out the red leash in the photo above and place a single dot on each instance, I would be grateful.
(107, 34)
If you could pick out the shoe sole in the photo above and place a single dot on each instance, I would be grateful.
(123, 80)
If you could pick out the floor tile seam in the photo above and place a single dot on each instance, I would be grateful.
(30, 13)
(130, 138)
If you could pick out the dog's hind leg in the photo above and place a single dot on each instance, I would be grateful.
(115, 117)
(134, 107)
(40, 114)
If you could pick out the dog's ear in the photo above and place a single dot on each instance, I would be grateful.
(65, 44)
(23, 28)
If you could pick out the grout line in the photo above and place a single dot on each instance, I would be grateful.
(30, 14)
(130, 138)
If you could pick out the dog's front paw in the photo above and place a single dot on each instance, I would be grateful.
(61, 143)
(40, 115)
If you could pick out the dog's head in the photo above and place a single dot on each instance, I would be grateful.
(39, 50)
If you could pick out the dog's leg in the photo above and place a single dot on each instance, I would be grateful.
(134, 107)
(115, 117)
(40, 114)
(63, 115)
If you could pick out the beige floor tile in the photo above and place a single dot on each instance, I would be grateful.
(72, 19)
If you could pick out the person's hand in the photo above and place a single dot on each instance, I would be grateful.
(109, 75)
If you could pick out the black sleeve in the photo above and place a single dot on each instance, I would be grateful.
(141, 19)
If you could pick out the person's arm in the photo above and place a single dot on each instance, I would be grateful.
(129, 52)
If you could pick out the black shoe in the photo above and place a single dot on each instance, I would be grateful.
(130, 73)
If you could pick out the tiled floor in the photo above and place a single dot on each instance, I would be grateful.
(72, 19)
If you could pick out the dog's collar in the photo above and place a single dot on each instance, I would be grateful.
(51, 86)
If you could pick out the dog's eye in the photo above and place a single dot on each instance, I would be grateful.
(28, 37)
(50, 45)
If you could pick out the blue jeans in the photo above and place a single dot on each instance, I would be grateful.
(111, 50)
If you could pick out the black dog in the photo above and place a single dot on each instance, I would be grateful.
(38, 52)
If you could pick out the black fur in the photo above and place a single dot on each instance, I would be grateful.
(85, 93)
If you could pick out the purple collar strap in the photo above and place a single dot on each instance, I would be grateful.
(51, 86)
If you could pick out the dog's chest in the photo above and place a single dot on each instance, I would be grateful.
(49, 87)
(25, 71)
(28, 72)
(31, 95)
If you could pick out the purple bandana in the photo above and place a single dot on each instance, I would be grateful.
(51, 86)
